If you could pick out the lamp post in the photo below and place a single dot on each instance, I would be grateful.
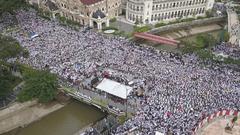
(126, 102)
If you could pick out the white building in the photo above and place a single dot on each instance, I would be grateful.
(152, 11)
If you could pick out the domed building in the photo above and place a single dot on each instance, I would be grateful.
(85, 12)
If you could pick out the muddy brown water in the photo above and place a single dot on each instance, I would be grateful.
(66, 121)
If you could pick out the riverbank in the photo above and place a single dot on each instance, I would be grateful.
(22, 114)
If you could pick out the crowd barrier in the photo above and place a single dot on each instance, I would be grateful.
(210, 118)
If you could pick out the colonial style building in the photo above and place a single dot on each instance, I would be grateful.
(94, 13)
(152, 11)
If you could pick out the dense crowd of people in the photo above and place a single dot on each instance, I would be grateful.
(179, 92)
(227, 50)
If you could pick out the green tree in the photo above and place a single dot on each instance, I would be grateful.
(209, 13)
(11, 5)
(41, 85)
(9, 48)
(205, 41)
(7, 82)
(188, 47)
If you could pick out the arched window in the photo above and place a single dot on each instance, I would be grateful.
(179, 12)
(175, 15)
(203, 10)
(130, 17)
(199, 11)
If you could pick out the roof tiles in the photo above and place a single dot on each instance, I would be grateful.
(90, 2)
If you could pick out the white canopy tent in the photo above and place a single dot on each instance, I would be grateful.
(114, 88)
(158, 133)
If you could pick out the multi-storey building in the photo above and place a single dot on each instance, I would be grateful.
(86, 12)
(98, 12)
(152, 11)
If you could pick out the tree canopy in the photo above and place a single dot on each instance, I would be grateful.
(11, 5)
(7, 82)
(41, 85)
(9, 48)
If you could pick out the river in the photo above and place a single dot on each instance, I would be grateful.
(66, 121)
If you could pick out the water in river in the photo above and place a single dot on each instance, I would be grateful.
(65, 121)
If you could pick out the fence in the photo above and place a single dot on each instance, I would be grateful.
(210, 118)
(105, 126)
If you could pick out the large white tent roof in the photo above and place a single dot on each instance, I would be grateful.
(114, 88)
(158, 133)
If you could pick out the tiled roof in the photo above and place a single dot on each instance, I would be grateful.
(89, 2)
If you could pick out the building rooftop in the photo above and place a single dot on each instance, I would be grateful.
(90, 2)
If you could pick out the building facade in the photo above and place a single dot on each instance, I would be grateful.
(93, 13)
(152, 11)
(96, 13)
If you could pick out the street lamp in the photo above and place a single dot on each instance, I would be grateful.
(126, 102)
